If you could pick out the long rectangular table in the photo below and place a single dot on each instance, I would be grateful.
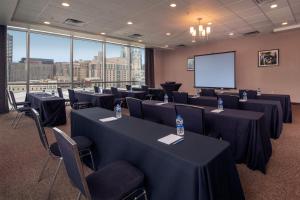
(272, 110)
(51, 108)
(244, 130)
(199, 167)
(96, 99)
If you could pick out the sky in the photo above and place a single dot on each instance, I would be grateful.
(58, 48)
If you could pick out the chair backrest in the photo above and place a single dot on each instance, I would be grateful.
(128, 87)
(41, 130)
(72, 96)
(8, 97)
(208, 92)
(115, 92)
(96, 89)
(193, 118)
(69, 151)
(60, 93)
(13, 99)
(135, 107)
(230, 101)
(145, 88)
(180, 97)
(251, 94)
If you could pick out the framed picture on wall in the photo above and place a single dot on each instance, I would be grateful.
(268, 58)
(190, 64)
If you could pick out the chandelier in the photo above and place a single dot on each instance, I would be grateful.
(203, 31)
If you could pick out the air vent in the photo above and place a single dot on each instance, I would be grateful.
(135, 36)
(260, 2)
(253, 33)
(180, 45)
(74, 22)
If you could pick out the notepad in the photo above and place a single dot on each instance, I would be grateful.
(159, 104)
(108, 119)
(217, 111)
(170, 139)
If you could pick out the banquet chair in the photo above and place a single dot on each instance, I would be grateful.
(9, 100)
(135, 107)
(75, 104)
(128, 87)
(230, 101)
(53, 151)
(61, 95)
(96, 89)
(118, 98)
(117, 180)
(20, 107)
(145, 88)
(208, 92)
(180, 97)
(193, 117)
(251, 94)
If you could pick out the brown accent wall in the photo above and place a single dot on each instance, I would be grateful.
(284, 79)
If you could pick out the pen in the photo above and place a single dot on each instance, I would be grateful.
(178, 141)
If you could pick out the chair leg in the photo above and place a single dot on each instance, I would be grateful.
(92, 159)
(78, 196)
(54, 178)
(18, 120)
(144, 194)
(14, 120)
(43, 169)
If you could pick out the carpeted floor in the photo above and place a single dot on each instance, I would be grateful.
(22, 157)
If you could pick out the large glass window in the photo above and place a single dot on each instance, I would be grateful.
(88, 67)
(137, 66)
(117, 65)
(16, 68)
(49, 63)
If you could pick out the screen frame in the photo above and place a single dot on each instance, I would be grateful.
(234, 62)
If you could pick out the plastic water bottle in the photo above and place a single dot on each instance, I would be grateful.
(118, 111)
(220, 104)
(258, 92)
(245, 96)
(179, 125)
(100, 90)
(53, 93)
(166, 98)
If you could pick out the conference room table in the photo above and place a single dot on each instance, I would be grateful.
(96, 99)
(272, 110)
(244, 130)
(199, 167)
(51, 108)
(128, 93)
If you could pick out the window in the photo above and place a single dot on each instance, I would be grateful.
(88, 69)
(137, 66)
(117, 65)
(16, 69)
(49, 63)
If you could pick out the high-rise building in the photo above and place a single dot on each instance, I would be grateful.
(9, 48)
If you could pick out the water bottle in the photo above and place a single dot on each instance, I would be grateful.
(245, 96)
(220, 104)
(100, 90)
(53, 93)
(166, 98)
(118, 111)
(258, 92)
(179, 125)
(199, 92)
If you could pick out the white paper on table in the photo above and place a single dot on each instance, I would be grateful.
(159, 104)
(108, 119)
(217, 111)
(242, 100)
(169, 139)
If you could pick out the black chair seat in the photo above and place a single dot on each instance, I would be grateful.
(82, 144)
(27, 103)
(24, 109)
(114, 181)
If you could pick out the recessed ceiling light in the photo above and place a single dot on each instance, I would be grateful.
(231, 34)
(65, 4)
(47, 22)
(168, 34)
(209, 23)
(103, 33)
(173, 5)
(284, 23)
(140, 40)
(129, 23)
(273, 6)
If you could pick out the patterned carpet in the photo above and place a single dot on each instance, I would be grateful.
(22, 157)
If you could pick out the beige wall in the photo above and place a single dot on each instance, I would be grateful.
(283, 79)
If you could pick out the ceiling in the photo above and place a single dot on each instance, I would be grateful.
(154, 18)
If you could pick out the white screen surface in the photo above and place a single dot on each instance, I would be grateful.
(215, 70)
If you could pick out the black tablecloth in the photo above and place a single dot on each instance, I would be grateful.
(285, 101)
(134, 94)
(272, 110)
(51, 108)
(244, 130)
(197, 168)
(96, 99)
